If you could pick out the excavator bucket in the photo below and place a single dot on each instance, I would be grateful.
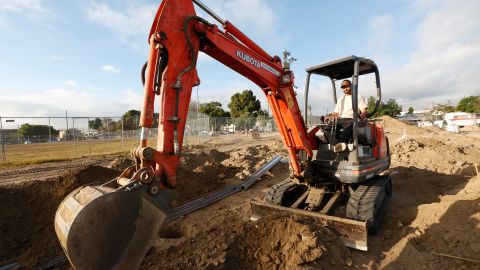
(352, 233)
(101, 228)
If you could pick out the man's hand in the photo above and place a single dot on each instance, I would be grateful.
(335, 114)
(363, 114)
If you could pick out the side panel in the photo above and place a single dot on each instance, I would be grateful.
(379, 151)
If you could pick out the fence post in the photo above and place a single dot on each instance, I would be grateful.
(89, 135)
(108, 131)
(4, 158)
(122, 132)
(50, 137)
(74, 140)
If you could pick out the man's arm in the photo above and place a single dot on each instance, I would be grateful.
(336, 110)
(363, 107)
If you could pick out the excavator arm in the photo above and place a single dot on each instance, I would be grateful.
(176, 37)
(110, 226)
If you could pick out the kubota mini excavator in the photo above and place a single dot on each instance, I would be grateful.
(110, 226)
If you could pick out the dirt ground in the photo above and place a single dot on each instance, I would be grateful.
(435, 209)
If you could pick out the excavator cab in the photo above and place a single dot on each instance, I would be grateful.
(367, 154)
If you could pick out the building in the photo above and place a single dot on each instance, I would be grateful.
(462, 119)
(70, 134)
(10, 136)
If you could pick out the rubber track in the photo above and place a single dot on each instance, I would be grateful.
(275, 193)
(364, 204)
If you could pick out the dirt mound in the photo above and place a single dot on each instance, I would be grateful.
(470, 128)
(423, 153)
(266, 245)
(274, 242)
(27, 223)
(393, 125)
(120, 163)
(204, 170)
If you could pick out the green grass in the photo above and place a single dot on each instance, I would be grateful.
(23, 154)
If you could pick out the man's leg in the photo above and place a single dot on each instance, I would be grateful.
(347, 130)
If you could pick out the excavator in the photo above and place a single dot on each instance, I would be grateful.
(110, 225)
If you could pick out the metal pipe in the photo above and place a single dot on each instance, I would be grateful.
(256, 175)
(354, 154)
(307, 86)
(334, 91)
(209, 11)
(223, 193)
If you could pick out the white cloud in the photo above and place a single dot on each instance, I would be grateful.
(381, 34)
(54, 102)
(32, 9)
(57, 57)
(444, 61)
(132, 22)
(258, 19)
(22, 6)
(110, 69)
(70, 82)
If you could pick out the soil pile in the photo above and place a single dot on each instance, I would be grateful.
(471, 128)
(204, 170)
(27, 233)
(423, 153)
(434, 187)
(274, 242)
(277, 242)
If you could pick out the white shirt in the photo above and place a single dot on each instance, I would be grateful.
(344, 106)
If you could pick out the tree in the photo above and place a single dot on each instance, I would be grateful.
(263, 112)
(131, 120)
(243, 104)
(410, 110)
(263, 120)
(213, 109)
(27, 130)
(371, 105)
(444, 108)
(391, 108)
(95, 124)
(108, 125)
(469, 104)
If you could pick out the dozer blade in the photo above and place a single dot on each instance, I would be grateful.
(100, 228)
(352, 233)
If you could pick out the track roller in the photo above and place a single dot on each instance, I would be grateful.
(368, 201)
(285, 193)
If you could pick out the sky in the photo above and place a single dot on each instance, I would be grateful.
(85, 57)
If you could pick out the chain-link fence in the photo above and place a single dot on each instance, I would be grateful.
(31, 139)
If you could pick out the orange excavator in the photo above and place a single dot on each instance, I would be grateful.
(111, 225)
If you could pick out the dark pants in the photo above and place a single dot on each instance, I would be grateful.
(343, 131)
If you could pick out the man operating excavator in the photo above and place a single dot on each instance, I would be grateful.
(343, 113)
